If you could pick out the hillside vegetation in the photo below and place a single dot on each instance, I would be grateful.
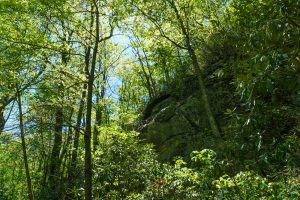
(149, 100)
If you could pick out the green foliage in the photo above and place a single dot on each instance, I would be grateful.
(256, 55)
(181, 182)
(250, 61)
(248, 185)
(204, 157)
(122, 164)
(12, 176)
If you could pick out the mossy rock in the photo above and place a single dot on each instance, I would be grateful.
(177, 125)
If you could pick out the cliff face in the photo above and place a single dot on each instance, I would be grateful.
(176, 123)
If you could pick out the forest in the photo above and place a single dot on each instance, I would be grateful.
(149, 99)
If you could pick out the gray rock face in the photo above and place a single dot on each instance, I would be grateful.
(171, 126)
(177, 124)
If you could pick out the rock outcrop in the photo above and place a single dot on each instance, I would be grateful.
(176, 123)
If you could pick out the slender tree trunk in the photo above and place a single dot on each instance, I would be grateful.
(150, 84)
(65, 158)
(22, 131)
(54, 173)
(72, 171)
(97, 120)
(101, 87)
(2, 120)
(100, 92)
(89, 107)
(166, 72)
(210, 115)
(54, 163)
(147, 77)
(196, 66)
(4, 101)
(87, 140)
(89, 104)
(153, 85)
(77, 134)
(44, 155)
(65, 148)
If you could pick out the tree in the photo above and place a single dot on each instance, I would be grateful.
(89, 104)
(99, 69)
(182, 18)
(22, 133)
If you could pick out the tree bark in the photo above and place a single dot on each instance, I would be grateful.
(2, 120)
(55, 160)
(22, 131)
(89, 104)
(89, 107)
(77, 134)
(72, 170)
(5, 101)
(98, 119)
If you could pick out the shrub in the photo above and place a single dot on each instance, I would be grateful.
(123, 165)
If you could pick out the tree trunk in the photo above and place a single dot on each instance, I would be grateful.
(98, 119)
(4, 101)
(54, 163)
(22, 131)
(72, 170)
(196, 66)
(89, 107)
(2, 120)
(73, 163)
(207, 107)
(147, 77)
(65, 149)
